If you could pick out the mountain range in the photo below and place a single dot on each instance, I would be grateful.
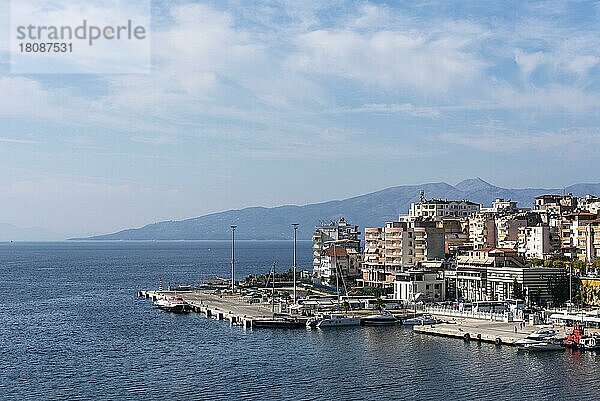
(9, 232)
(370, 210)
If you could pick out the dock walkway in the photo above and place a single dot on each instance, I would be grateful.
(479, 330)
(219, 306)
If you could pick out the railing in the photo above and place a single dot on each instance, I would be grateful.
(437, 310)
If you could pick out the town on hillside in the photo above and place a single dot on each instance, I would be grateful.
(457, 250)
(502, 274)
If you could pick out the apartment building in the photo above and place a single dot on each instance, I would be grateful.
(339, 234)
(339, 264)
(397, 245)
(436, 209)
(537, 242)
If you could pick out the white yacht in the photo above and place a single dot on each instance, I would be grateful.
(536, 346)
(333, 320)
(384, 318)
(542, 334)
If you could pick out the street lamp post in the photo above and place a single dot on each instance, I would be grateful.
(295, 225)
(233, 258)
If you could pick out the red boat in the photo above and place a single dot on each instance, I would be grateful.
(578, 339)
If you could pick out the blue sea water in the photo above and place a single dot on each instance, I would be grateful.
(71, 327)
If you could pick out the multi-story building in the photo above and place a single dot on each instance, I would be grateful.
(482, 230)
(456, 234)
(436, 209)
(501, 206)
(556, 205)
(397, 245)
(537, 242)
(586, 241)
(339, 233)
(491, 274)
(507, 231)
(590, 203)
(338, 264)
(488, 230)
(419, 285)
(470, 275)
(578, 236)
(533, 283)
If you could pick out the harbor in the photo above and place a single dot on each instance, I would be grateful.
(239, 310)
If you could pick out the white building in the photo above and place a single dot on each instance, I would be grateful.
(535, 242)
(339, 263)
(435, 209)
(339, 233)
(419, 285)
(501, 206)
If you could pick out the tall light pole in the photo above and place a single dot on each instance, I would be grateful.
(295, 225)
(571, 286)
(233, 258)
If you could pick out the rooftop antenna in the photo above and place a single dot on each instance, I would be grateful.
(422, 196)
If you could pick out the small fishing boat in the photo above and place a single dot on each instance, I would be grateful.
(172, 304)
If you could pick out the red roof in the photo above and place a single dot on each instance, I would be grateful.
(339, 251)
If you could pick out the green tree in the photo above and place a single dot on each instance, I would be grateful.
(517, 290)
(548, 263)
(558, 287)
(558, 263)
(537, 262)
(578, 265)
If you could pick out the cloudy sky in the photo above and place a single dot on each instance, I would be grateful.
(277, 102)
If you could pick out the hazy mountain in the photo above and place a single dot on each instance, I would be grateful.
(370, 210)
(8, 232)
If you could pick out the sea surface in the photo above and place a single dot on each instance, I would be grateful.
(71, 327)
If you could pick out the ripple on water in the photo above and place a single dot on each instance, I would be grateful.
(74, 330)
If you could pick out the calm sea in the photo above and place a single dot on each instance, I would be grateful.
(71, 327)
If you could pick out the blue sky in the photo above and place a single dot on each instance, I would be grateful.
(293, 102)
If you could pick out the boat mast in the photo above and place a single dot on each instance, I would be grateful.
(295, 225)
(273, 293)
(337, 275)
(233, 258)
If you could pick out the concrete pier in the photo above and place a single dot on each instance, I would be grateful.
(498, 333)
(229, 307)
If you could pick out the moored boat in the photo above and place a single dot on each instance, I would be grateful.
(384, 318)
(172, 304)
(419, 321)
(333, 320)
(540, 346)
(542, 334)
(579, 339)
(279, 323)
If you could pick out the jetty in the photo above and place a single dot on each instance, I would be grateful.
(231, 307)
(499, 333)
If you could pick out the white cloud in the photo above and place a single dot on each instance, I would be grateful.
(529, 62)
(580, 140)
(388, 59)
(18, 141)
(403, 108)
